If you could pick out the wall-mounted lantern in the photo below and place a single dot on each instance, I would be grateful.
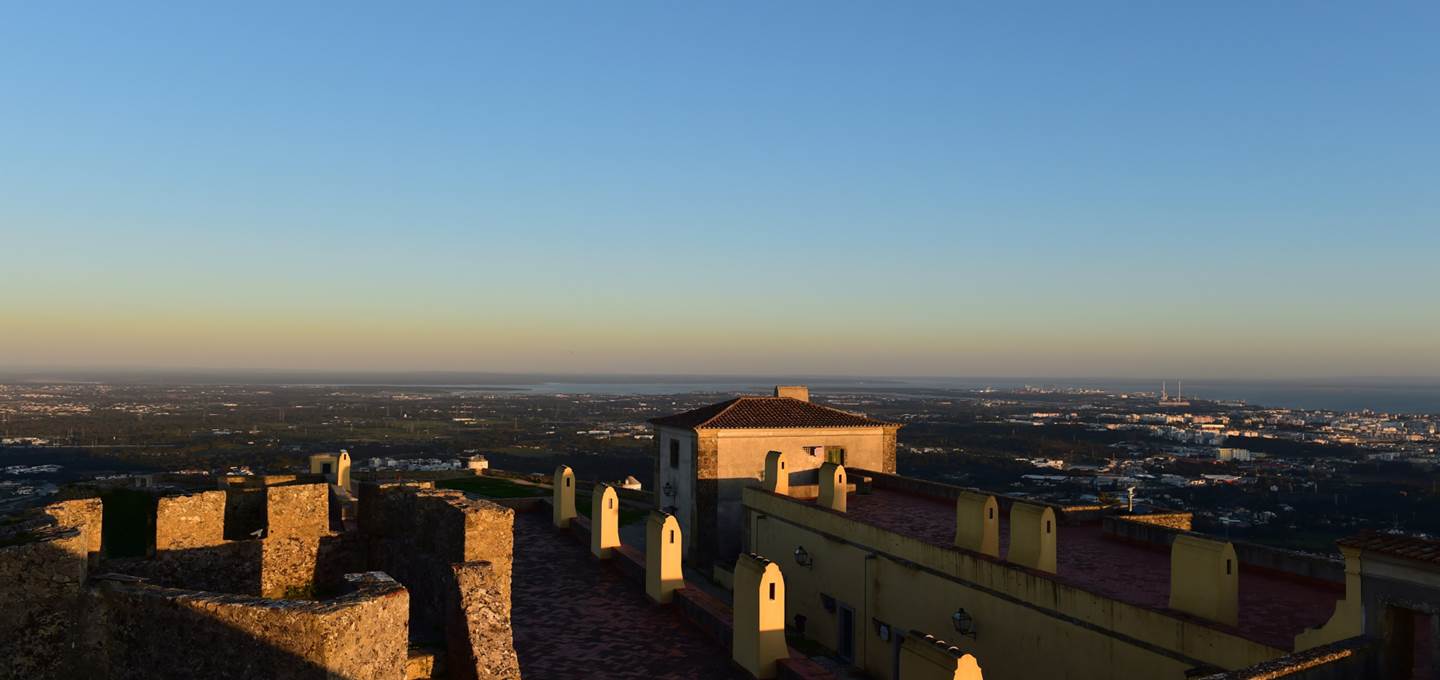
(668, 489)
(802, 557)
(964, 623)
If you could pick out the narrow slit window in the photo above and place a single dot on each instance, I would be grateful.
(610, 503)
(1227, 567)
(991, 513)
(1047, 526)
(672, 535)
(772, 591)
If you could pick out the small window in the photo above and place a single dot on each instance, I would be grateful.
(567, 482)
(991, 513)
(840, 478)
(674, 453)
(324, 468)
(610, 503)
(672, 535)
(1227, 567)
(1047, 526)
(782, 465)
(835, 454)
(772, 591)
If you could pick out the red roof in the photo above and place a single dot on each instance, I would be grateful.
(1273, 608)
(765, 412)
(1408, 547)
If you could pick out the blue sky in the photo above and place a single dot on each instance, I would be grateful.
(1125, 189)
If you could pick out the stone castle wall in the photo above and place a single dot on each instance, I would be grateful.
(42, 582)
(190, 521)
(147, 631)
(454, 556)
(203, 605)
(297, 519)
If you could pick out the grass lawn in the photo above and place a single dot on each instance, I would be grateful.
(492, 487)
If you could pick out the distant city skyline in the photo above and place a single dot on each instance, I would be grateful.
(1212, 191)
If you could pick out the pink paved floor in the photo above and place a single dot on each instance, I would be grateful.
(576, 618)
(1272, 609)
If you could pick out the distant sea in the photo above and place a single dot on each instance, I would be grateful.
(1386, 395)
(1337, 395)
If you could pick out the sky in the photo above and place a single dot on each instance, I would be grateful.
(1213, 190)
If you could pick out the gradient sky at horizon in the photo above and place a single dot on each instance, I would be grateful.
(1223, 189)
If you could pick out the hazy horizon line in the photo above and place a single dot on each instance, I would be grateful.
(31, 374)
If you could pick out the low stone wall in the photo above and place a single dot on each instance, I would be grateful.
(42, 578)
(1179, 521)
(1314, 568)
(1344, 660)
(232, 567)
(190, 521)
(147, 631)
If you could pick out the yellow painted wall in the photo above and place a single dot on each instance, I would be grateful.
(759, 616)
(832, 487)
(926, 657)
(1349, 618)
(1022, 626)
(777, 473)
(563, 496)
(742, 452)
(663, 572)
(1205, 579)
(1032, 536)
(604, 521)
(977, 523)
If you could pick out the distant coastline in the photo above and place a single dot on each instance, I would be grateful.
(1386, 395)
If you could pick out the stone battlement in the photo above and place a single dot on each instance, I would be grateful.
(293, 597)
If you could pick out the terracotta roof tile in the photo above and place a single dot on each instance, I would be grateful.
(1408, 547)
(765, 412)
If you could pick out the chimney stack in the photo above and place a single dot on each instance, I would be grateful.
(800, 392)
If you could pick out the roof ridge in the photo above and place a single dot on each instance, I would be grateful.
(723, 411)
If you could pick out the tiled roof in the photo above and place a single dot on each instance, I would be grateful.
(1408, 547)
(1273, 608)
(765, 412)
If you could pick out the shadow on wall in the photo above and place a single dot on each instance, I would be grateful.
(246, 568)
(57, 625)
(143, 631)
(128, 525)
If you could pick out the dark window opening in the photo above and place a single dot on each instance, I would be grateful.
(1227, 567)
(991, 513)
(674, 453)
(1047, 526)
(845, 639)
(772, 591)
(672, 535)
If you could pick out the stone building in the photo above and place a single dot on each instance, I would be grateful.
(708, 455)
